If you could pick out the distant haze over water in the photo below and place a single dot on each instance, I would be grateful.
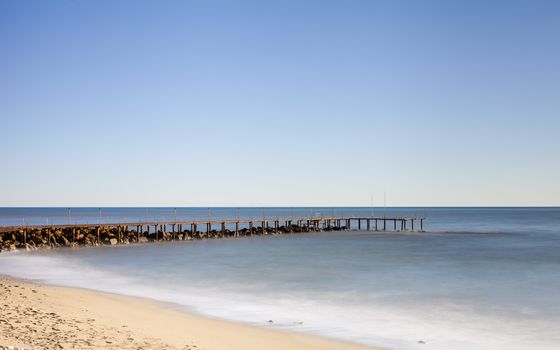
(480, 278)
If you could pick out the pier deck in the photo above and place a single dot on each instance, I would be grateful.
(84, 234)
(334, 222)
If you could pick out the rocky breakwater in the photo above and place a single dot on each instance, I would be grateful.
(46, 238)
(29, 238)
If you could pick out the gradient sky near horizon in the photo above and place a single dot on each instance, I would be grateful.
(186, 103)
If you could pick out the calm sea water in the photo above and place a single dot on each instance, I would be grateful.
(479, 278)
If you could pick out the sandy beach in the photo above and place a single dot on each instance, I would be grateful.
(36, 316)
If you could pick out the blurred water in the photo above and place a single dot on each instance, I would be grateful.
(481, 278)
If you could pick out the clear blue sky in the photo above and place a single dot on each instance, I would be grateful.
(279, 103)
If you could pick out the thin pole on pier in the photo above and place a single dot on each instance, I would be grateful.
(384, 204)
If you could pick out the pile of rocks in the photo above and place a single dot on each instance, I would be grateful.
(29, 238)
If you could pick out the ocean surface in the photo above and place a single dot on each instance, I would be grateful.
(478, 278)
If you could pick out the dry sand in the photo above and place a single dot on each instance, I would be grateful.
(46, 317)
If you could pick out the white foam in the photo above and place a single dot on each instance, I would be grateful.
(439, 324)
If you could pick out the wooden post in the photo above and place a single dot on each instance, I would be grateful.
(412, 225)
(375, 224)
(25, 236)
(384, 224)
(359, 224)
(421, 225)
(223, 229)
(394, 225)
(237, 229)
(98, 240)
(368, 224)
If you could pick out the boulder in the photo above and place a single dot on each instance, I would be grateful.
(113, 241)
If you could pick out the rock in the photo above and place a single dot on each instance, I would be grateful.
(143, 240)
(113, 241)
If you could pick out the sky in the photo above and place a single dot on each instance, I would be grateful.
(280, 103)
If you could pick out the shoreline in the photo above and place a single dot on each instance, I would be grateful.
(39, 316)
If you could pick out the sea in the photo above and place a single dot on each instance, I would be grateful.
(476, 278)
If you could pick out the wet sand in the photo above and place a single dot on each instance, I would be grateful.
(36, 316)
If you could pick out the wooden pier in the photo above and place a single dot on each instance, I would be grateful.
(132, 232)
